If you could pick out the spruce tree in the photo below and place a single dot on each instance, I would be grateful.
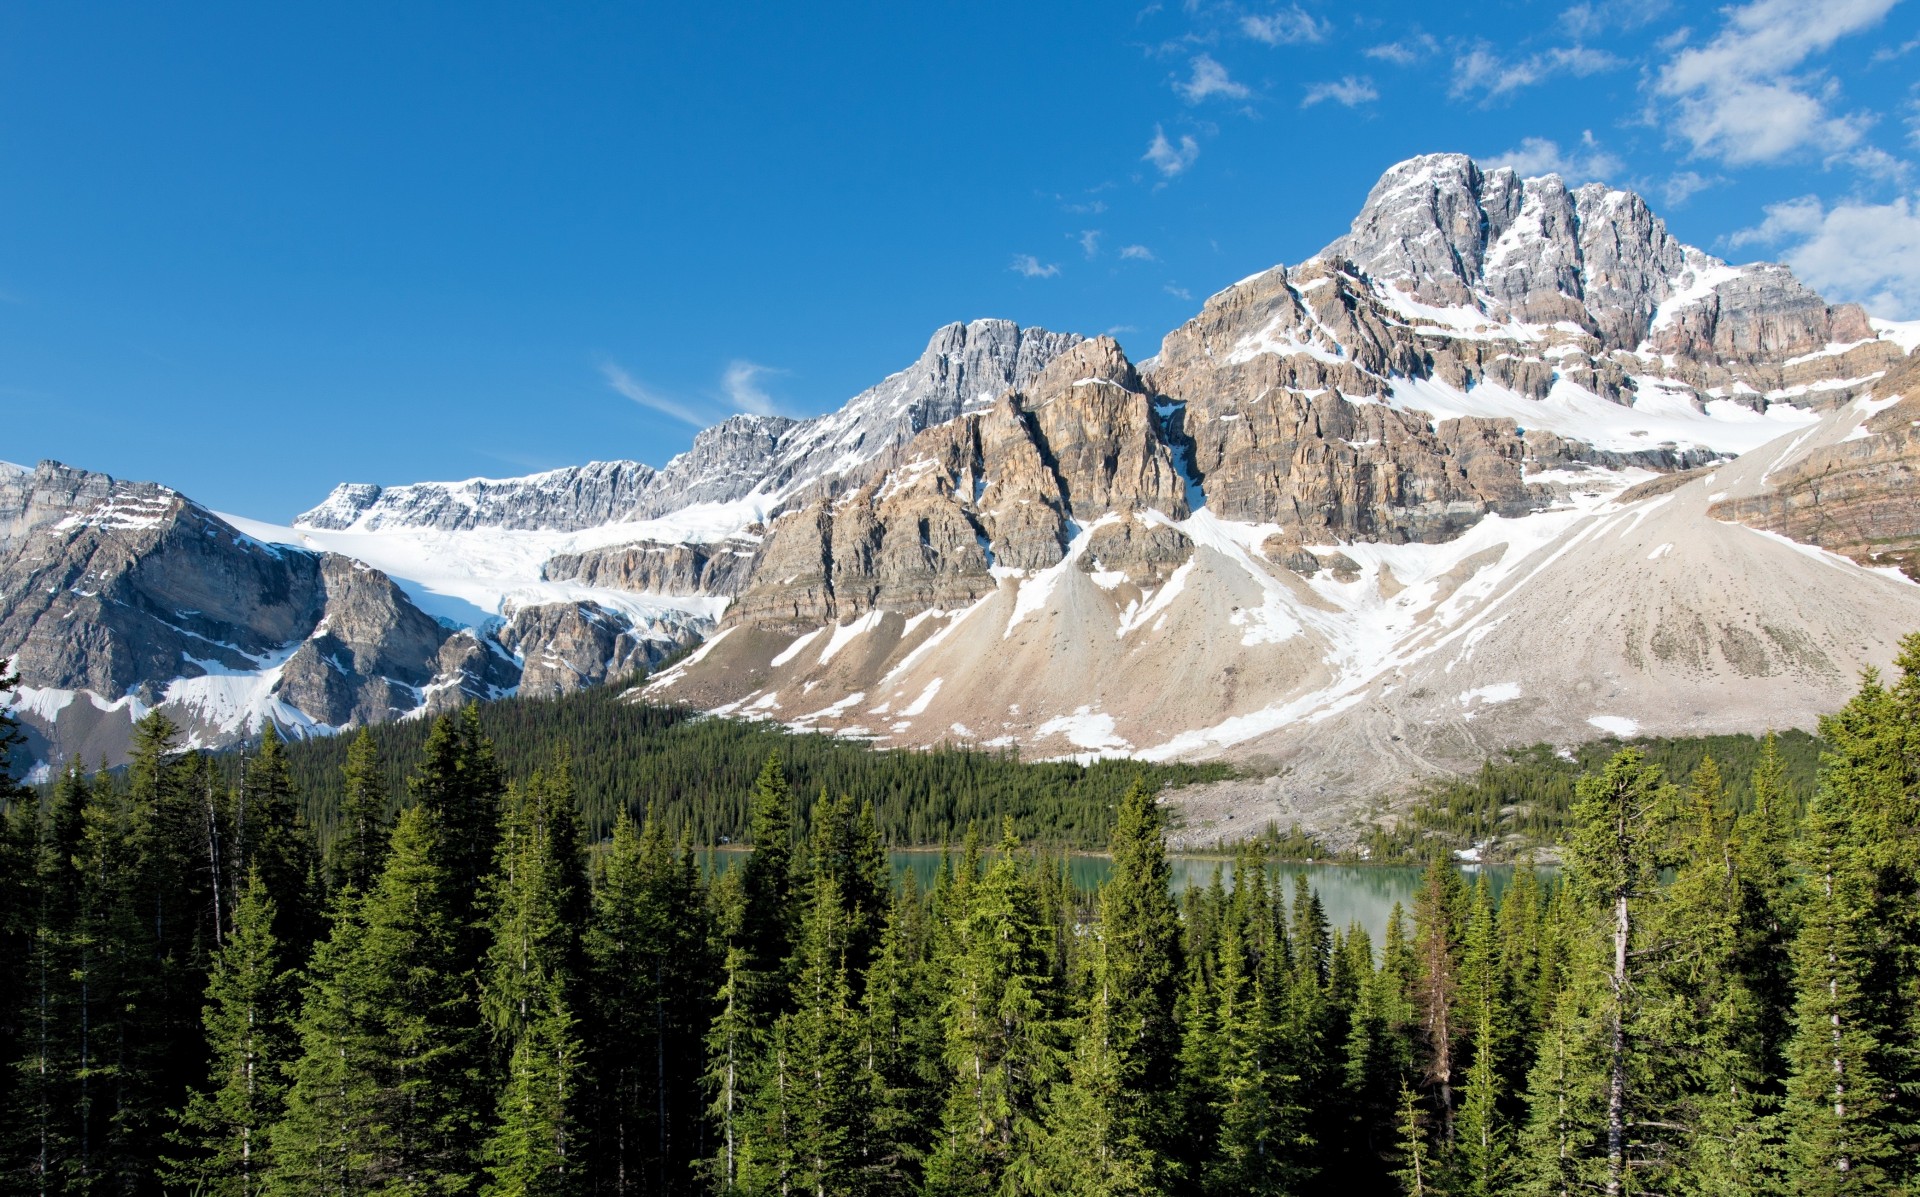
(360, 843)
(270, 838)
(1613, 863)
(531, 995)
(1001, 1035)
(1141, 953)
(391, 1086)
(225, 1129)
(650, 971)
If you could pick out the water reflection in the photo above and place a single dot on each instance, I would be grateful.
(1363, 894)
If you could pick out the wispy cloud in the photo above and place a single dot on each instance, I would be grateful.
(1351, 91)
(1167, 158)
(1136, 253)
(1090, 242)
(1684, 185)
(1177, 292)
(1741, 98)
(1288, 26)
(1481, 71)
(1581, 164)
(1028, 266)
(1865, 252)
(741, 382)
(1406, 51)
(1210, 79)
(626, 384)
(1586, 19)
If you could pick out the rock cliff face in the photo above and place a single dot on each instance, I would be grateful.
(659, 567)
(587, 496)
(139, 597)
(1006, 486)
(134, 596)
(1357, 477)
(1860, 496)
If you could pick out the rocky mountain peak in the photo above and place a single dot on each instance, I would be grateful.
(1442, 232)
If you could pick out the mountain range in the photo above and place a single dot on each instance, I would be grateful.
(1505, 463)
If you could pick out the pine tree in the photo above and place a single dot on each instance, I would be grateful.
(460, 784)
(1001, 1030)
(733, 1046)
(1836, 1100)
(812, 1122)
(531, 993)
(650, 972)
(1481, 1155)
(1141, 953)
(225, 1127)
(41, 1132)
(766, 879)
(1436, 948)
(270, 838)
(1613, 864)
(900, 1048)
(390, 1087)
(360, 845)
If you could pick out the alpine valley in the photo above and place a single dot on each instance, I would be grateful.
(1506, 463)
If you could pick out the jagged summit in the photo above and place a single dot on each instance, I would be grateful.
(767, 459)
(1444, 232)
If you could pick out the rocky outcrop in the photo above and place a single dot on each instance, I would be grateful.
(659, 567)
(117, 587)
(136, 595)
(600, 492)
(564, 647)
(1856, 497)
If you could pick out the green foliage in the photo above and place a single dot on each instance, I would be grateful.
(695, 773)
(1525, 799)
(1720, 996)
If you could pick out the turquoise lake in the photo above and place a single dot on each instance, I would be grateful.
(1350, 893)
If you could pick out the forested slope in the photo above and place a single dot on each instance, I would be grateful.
(694, 772)
(1719, 996)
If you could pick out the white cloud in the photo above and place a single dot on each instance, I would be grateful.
(1177, 292)
(741, 381)
(1868, 253)
(1028, 266)
(633, 389)
(1406, 51)
(1210, 79)
(1351, 91)
(1683, 186)
(1289, 26)
(1170, 159)
(1089, 242)
(1480, 70)
(1737, 98)
(1874, 162)
(1586, 19)
(1582, 164)
(1136, 253)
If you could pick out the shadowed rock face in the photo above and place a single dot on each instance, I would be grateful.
(118, 586)
(658, 567)
(131, 589)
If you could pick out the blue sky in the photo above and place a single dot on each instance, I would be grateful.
(253, 250)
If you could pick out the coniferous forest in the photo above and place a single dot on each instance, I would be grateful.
(1718, 993)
